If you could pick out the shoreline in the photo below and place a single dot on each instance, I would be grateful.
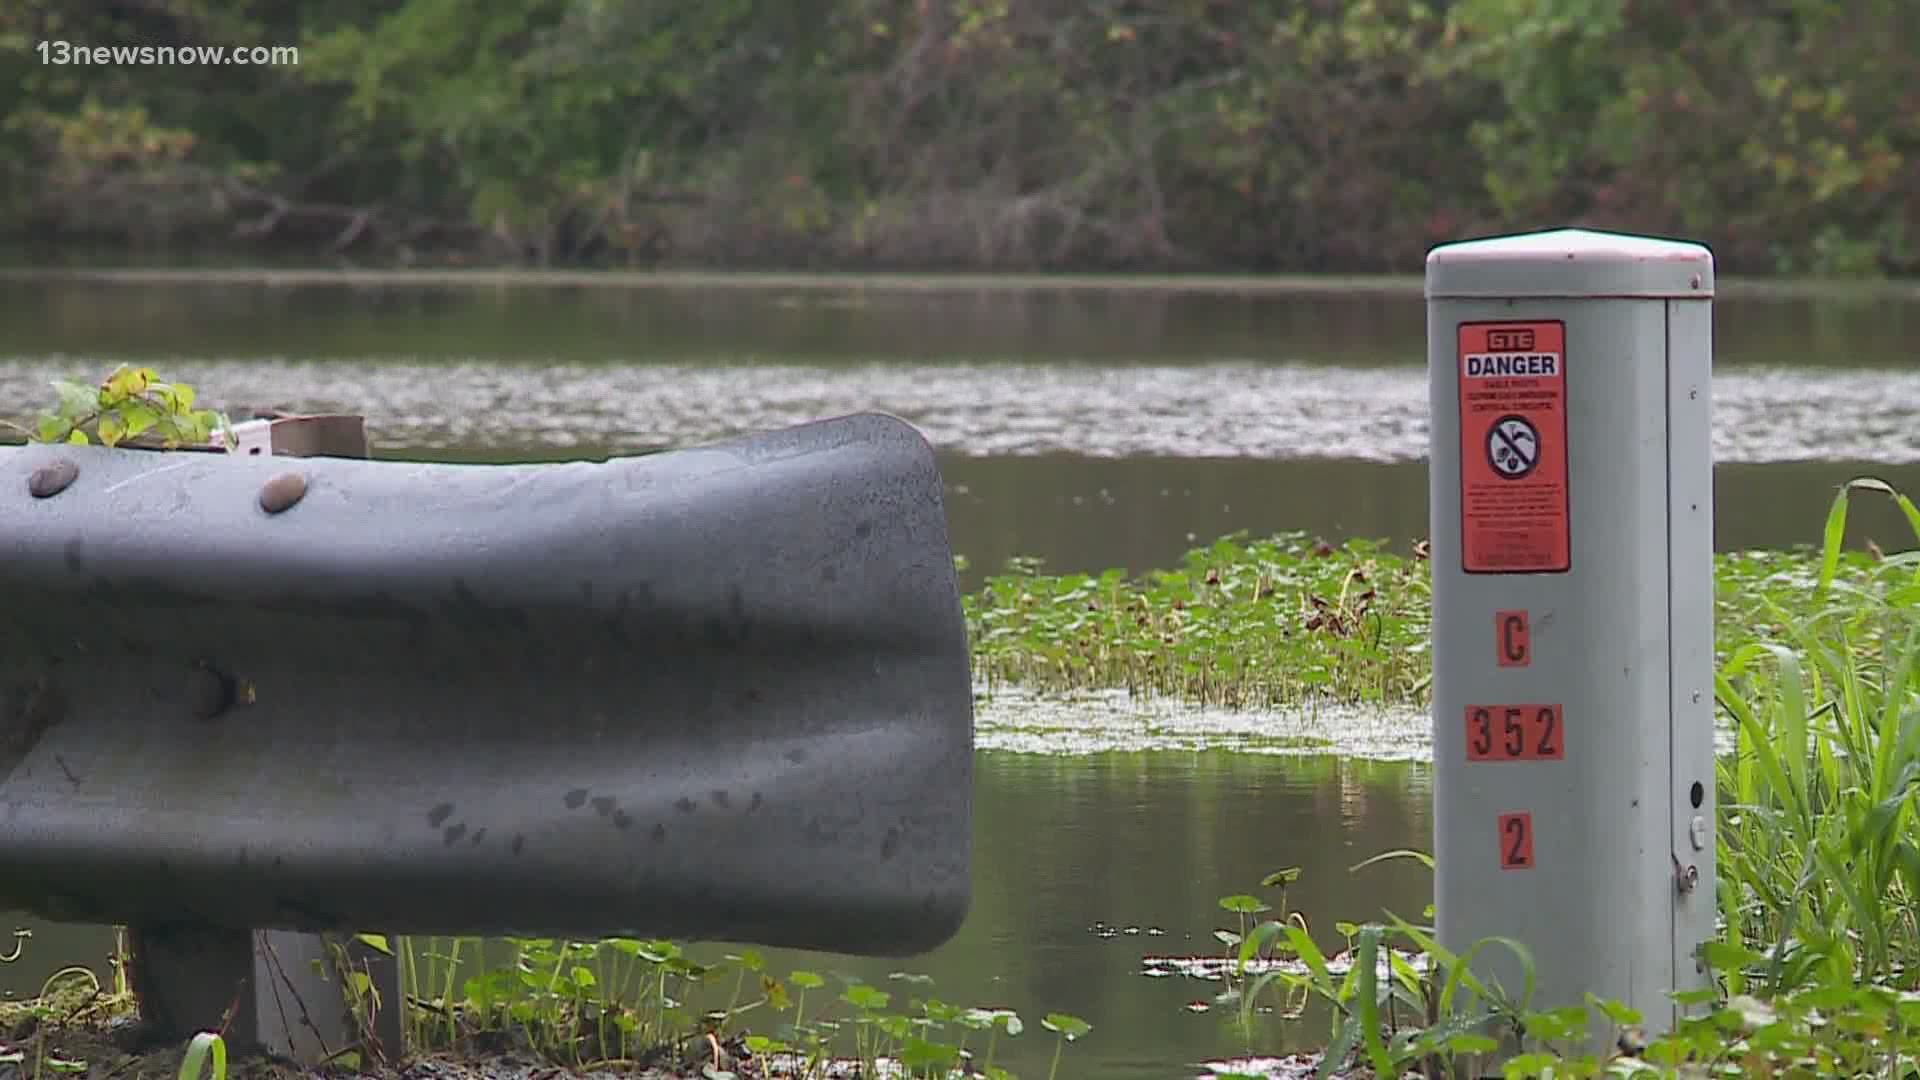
(1291, 284)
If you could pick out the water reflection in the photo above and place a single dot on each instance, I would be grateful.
(1345, 323)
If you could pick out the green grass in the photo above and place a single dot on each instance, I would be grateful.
(1820, 871)
(1287, 620)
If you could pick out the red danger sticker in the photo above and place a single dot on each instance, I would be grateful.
(1513, 448)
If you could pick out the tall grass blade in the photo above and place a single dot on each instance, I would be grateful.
(1791, 731)
(1366, 966)
(206, 1045)
(1337, 1051)
(1835, 531)
(1756, 741)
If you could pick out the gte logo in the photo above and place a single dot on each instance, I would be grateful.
(1518, 339)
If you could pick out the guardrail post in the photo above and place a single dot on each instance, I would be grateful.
(271, 991)
(268, 991)
(1572, 510)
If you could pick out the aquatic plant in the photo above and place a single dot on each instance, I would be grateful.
(1068, 1028)
(604, 1005)
(1289, 620)
(630, 1003)
(1242, 623)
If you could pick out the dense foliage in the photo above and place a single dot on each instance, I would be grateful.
(1216, 134)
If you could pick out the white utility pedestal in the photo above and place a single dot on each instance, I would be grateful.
(1572, 553)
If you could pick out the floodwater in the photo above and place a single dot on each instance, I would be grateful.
(1092, 428)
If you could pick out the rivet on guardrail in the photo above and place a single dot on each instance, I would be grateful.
(282, 492)
(52, 478)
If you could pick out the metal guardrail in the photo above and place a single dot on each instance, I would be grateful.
(716, 693)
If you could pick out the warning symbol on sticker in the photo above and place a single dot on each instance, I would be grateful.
(1513, 448)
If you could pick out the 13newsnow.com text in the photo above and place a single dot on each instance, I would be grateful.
(67, 53)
